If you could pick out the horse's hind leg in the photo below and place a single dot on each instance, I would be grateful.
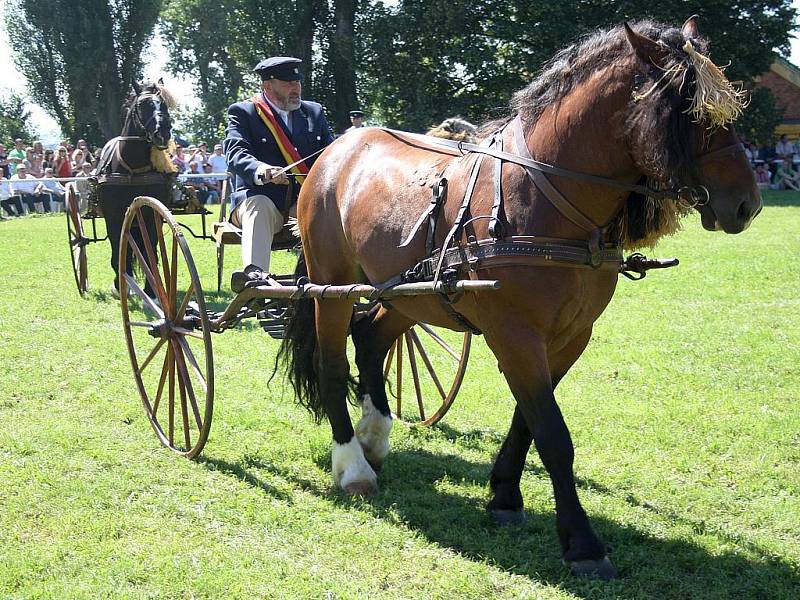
(538, 417)
(373, 335)
(351, 471)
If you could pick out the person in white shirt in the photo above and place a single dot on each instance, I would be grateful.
(11, 203)
(784, 148)
(217, 160)
(52, 188)
(27, 190)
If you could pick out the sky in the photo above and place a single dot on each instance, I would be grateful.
(155, 58)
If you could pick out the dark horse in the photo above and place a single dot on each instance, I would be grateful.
(637, 120)
(135, 163)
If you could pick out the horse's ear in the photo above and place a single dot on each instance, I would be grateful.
(137, 88)
(689, 29)
(160, 81)
(648, 50)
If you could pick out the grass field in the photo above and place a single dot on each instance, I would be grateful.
(683, 410)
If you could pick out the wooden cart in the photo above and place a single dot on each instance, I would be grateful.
(170, 343)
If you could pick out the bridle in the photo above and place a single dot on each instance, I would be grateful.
(136, 117)
(690, 197)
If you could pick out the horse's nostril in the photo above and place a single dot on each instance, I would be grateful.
(743, 213)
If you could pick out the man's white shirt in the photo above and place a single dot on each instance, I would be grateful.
(24, 186)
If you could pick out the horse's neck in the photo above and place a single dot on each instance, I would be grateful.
(134, 153)
(585, 133)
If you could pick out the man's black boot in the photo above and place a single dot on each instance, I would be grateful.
(240, 279)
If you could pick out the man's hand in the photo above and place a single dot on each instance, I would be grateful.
(269, 174)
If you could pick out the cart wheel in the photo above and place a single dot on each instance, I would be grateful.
(169, 338)
(431, 361)
(77, 239)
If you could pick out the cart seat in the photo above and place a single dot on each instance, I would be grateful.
(224, 232)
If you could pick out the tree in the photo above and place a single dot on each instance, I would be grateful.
(429, 59)
(762, 116)
(81, 58)
(15, 120)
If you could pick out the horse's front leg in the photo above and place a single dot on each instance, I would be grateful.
(373, 335)
(538, 417)
(351, 471)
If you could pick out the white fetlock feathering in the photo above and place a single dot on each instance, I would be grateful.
(350, 466)
(373, 432)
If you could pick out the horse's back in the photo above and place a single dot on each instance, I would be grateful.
(365, 193)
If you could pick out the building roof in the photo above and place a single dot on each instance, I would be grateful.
(783, 80)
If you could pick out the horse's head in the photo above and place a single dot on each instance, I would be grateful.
(148, 113)
(680, 130)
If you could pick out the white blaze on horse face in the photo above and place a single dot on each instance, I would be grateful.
(350, 468)
(373, 431)
(157, 111)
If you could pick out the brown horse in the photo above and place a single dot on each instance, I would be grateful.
(623, 107)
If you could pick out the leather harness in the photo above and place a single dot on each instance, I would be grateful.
(505, 251)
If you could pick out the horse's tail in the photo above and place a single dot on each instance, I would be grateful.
(298, 350)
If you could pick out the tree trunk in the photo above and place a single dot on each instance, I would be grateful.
(343, 61)
(301, 42)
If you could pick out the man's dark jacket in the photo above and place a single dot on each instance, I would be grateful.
(248, 143)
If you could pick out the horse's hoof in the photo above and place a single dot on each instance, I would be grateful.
(363, 489)
(504, 516)
(597, 569)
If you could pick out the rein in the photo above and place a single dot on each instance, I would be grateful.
(696, 196)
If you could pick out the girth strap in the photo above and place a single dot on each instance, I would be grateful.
(518, 251)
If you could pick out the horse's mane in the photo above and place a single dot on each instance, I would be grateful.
(454, 128)
(666, 107)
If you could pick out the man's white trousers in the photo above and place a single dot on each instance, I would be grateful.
(260, 220)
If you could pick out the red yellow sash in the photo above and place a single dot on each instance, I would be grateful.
(286, 147)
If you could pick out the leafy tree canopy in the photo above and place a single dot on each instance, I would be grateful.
(81, 58)
(15, 120)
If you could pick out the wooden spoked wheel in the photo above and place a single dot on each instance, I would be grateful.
(167, 328)
(424, 370)
(77, 239)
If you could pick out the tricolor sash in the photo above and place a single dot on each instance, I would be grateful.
(285, 145)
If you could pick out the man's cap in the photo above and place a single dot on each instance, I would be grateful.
(217, 146)
(284, 68)
(356, 113)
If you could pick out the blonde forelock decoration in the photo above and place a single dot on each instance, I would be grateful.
(716, 100)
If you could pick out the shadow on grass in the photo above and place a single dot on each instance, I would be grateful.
(240, 471)
(420, 490)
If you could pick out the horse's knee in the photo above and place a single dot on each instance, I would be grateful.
(351, 471)
(373, 431)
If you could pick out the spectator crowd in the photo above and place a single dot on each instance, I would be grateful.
(29, 174)
(776, 164)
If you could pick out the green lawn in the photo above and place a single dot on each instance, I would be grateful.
(683, 410)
